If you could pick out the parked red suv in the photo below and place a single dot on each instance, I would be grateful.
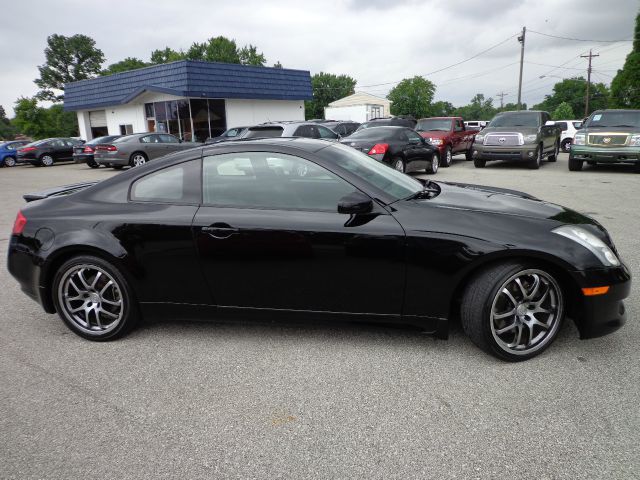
(449, 134)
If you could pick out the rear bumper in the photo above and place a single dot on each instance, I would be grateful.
(82, 157)
(522, 153)
(602, 314)
(115, 158)
(24, 266)
(605, 155)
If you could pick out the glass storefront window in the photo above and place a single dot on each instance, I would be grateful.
(217, 117)
(192, 120)
(184, 119)
(200, 116)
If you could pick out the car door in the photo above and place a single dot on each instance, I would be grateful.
(67, 151)
(270, 238)
(170, 143)
(548, 132)
(459, 136)
(418, 155)
(152, 146)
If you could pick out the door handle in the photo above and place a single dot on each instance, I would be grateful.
(220, 231)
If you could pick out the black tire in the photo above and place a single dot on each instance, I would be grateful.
(479, 163)
(447, 157)
(93, 164)
(536, 162)
(117, 167)
(46, 160)
(556, 151)
(483, 292)
(636, 167)
(435, 163)
(129, 316)
(566, 145)
(468, 155)
(397, 163)
(8, 162)
(575, 165)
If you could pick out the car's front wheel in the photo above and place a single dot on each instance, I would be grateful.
(9, 162)
(435, 163)
(575, 165)
(556, 151)
(447, 157)
(537, 161)
(94, 299)
(512, 311)
(479, 163)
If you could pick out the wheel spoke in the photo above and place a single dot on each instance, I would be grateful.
(535, 287)
(108, 313)
(506, 329)
(95, 280)
(73, 284)
(522, 289)
(115, 303)
(82, 279)
(510, 297)
(516, 342)
(104, 289)
(498, 316)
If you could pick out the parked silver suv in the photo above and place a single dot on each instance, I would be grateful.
(291, 129)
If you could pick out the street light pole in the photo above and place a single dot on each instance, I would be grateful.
(521, 40)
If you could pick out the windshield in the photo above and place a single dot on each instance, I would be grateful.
(434, 125)
(630, 118)
(372, 133)
(395, 184)
(523, 119)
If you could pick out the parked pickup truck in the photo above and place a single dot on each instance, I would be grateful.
(449, 134)
(525, 136)
(607, 136)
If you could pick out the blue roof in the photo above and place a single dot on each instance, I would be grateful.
(190, 78)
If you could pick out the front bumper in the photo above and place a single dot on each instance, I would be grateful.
(599, 315)
(589, 153)
(518, 153)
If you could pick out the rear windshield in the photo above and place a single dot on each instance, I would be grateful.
(264, 132)
(372, 133)
(524, 119)
(98, 140)
(614, 119)
(434, 125)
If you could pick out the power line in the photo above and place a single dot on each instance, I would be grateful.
(579, 39)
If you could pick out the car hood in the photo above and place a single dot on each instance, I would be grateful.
(503, 201)
(610, 130)
(434, 134)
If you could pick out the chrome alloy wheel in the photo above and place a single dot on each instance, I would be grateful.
(526, 312)
(138, 160)
(399, 165)
(91, 299)
(46, 160)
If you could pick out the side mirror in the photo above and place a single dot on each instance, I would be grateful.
(549, 123)
(355, 203)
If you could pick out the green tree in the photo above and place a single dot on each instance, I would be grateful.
(249, 56)
(510, 107)
(39, 122)
(563, 112)
(215, 49)
(412, 96)
(573, 91)
(442, 109)
(7, 130)
(68, 59)
(327, 88)
(166, 55)
(479, 109)
(625, 87)
(129, 63)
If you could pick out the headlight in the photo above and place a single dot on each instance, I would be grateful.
(579, 139)
(591, 242)
(635, 140)
(435, 141)
(530, 138)
(479, 138)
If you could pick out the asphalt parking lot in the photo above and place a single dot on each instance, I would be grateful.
(273, 400)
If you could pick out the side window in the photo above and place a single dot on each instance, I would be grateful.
(304, 131)
(12, 146)
(414, 137)
(459, 126)
(272, 181)
(56, 143)
(165, 138)
(147, 139)
(326, 133)
(563, 125)
(176, 184)
(402, 136)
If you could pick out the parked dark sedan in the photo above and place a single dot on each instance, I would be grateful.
(84, 153)
(399, 147)
(314, 229)
(44, 153)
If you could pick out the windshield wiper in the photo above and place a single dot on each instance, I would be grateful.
(431, 189)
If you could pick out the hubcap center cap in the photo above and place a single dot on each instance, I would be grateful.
(94, 298)
(522, 310)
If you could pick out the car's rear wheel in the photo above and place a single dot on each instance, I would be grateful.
(398, 164)
(512, 311)
(9, 162)
(468, 155)
(435, 163)
(575, 165)
(46, 160)
(93, 164)
(447, 157)
(566, 145)
(137, 159)
(117, 167)
(94, 299)
(479, 163)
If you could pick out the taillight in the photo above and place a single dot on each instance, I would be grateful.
(87, 149)
(19, 224)
(27, 149)
(379, 149)
(107, 148)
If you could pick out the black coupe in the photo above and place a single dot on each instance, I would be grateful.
(318, 230)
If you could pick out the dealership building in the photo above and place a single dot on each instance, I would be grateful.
(190, 99)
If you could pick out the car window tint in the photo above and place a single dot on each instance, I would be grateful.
(413, 137)
(147, 139)
(325, 132)
(304, 131)
(270, 181)
(177, 184)
(402, 136)
(56, 143)
(563, 125)
(164, 138)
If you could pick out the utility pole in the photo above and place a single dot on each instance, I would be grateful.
(521, 40)
(586, 99)
(501, 95)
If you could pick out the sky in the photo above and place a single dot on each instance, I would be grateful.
(377, 42)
